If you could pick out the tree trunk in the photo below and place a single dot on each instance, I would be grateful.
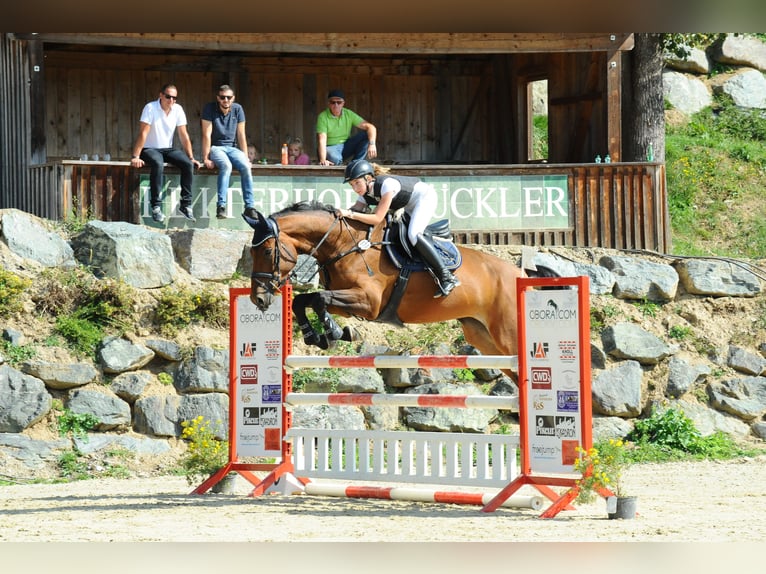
(646, 110)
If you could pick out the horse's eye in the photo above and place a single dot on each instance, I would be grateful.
(268, 251)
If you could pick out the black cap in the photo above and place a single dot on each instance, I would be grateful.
(336, 94)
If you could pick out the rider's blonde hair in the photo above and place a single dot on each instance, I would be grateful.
(379, 169)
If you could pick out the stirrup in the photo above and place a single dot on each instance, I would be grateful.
(446, 286)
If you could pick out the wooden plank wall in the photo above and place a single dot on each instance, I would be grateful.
(429, 109)
(616, 206)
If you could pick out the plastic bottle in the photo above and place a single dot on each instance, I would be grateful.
(598, 159)
(607, 158)
(284, 154)
(650, 152)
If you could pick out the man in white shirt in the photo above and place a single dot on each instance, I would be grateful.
(160, 119)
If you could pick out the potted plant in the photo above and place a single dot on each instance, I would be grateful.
(602, 468)
(206, 453)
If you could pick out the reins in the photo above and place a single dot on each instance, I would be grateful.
(272, 282)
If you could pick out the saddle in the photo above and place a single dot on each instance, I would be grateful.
(405, 258)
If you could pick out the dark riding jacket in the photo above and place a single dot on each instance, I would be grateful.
(401, 199)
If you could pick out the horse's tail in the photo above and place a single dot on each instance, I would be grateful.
(541, 271)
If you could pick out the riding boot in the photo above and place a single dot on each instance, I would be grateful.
(444, 277)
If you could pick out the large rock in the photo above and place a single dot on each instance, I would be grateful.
(110, 410)
(23, 400)
(209, 254)
(685, 93)
(135, 254)
(717, 278)
(741, 51)
(747, 89)
(640, 279)
(27, 237)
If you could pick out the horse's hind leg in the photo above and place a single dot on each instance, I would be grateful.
(477, 334)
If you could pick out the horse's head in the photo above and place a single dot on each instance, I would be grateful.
(266, 277)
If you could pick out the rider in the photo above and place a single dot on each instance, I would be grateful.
(390, 193)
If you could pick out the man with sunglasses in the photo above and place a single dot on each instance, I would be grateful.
(334, 140)
(159, 121)
(224, 145)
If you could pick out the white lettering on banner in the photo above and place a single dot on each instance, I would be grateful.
(502, 202)
(456, 195)
(533, 200)
(551, 202)
(481, 202)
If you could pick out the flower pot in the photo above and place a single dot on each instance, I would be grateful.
(625, 507)
(225, 485)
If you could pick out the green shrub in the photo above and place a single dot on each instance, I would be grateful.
(180, 307)
(81, 335)
(16, 354)
(71, 465)
(76, 424)
(11, 288)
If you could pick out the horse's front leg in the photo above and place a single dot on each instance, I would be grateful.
(300, 302)
(332, 331)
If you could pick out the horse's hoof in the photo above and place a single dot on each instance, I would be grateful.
(323, 343)
(350, 334)
(311, 340)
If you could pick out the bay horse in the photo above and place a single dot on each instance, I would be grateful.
(358, 279)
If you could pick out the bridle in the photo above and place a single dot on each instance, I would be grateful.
(271, 282)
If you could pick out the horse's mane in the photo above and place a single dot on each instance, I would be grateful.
(304, 206)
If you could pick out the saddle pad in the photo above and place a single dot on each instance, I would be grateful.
(446, 249)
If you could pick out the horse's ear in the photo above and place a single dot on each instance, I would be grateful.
(252, 222)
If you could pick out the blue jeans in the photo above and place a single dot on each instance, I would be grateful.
(225, 158)
(155, 158)
(354, 147)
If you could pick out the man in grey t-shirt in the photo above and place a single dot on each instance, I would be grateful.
(224, 145)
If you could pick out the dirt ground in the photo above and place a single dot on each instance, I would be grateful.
(678, 502)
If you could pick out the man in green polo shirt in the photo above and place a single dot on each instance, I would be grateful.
(334, 139)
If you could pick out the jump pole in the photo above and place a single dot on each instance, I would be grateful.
(418, 495)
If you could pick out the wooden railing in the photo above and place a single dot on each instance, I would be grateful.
(617, 205)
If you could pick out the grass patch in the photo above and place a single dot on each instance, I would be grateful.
(716, 171)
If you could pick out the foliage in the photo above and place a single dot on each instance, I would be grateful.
(302, 377)
(464, 375)
(81, 335)
(85, 308)
(11, 288)
(647, 308)
(601, 466)
(599, 315)
(205, 453)
(72, 466)
(165, 378)
(679, 44)
(540, 137)
(420, 338)
(76, 424)
(679, 332)
(716, 171)
(670, 435)
(15, 354)
(180, 307)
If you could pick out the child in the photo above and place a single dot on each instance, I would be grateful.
(295, 155)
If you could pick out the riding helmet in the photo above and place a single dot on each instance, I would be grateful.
(357, 169)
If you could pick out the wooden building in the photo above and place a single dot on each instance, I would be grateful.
(445, 104)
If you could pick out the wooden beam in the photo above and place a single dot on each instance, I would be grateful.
(353, 43)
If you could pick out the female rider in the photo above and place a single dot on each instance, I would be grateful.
(375, 187)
